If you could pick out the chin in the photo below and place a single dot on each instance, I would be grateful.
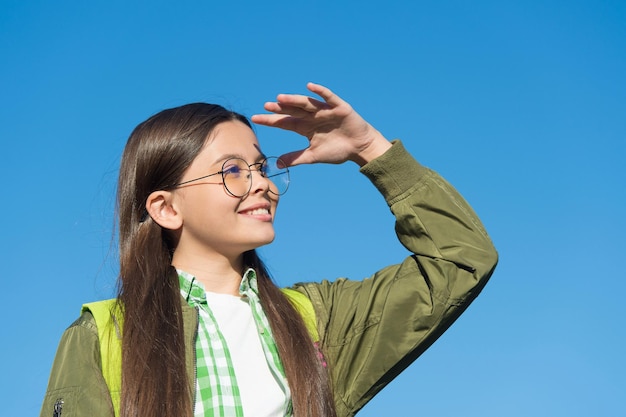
(267, 242)
(262, 241)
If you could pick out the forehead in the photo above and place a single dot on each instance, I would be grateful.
(230, 139)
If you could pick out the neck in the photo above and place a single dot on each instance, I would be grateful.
(217, 273)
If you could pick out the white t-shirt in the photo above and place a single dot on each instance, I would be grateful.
(260, 393)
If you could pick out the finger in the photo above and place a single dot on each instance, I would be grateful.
(276, 120)
(309, 104)
(281, 108)
(303, 156)
(329, 97)
(266, 119)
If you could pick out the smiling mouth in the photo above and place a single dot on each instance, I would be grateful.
(257, 211)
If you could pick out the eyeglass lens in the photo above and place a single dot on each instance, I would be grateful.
(237, 175)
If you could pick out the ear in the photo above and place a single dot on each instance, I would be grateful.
(160, 206)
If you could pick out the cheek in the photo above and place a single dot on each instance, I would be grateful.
(275, 206)
(208, 204)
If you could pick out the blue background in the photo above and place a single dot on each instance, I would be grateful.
(520, 104)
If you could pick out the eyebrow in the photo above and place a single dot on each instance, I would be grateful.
(225, 157)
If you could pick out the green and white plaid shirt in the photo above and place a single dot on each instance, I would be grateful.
(217, 393)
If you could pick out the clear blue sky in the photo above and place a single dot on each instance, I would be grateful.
(520, 104)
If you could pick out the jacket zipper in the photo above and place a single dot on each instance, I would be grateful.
(58, 408)
(195, 361)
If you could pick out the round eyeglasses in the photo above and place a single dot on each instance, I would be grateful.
(237, 176)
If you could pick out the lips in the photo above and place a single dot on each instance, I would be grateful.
(257, 212)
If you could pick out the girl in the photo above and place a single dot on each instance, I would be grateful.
(198, 328)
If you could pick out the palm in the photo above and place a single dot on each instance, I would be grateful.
(336, 133)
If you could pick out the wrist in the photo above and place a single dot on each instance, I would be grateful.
(378, 146)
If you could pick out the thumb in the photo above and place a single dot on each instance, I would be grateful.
(303, 156)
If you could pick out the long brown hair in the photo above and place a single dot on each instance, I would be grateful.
(154, 378)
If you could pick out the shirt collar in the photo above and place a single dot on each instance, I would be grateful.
(193, 290)
(248, 283)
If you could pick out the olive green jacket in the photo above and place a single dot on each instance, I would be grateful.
(370, 330)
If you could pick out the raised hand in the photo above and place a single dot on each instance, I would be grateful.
(336, 133)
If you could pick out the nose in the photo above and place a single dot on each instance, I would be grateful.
(260, 183)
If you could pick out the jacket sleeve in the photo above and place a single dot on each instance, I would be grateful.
(76, 386)
(373, 329)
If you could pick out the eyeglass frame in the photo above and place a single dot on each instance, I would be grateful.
(222, 171)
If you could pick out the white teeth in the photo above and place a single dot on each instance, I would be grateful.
(258, 211)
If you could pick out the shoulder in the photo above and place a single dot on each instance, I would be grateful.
(76, 382)
(81, 335)
(85, 327)
(84, 322)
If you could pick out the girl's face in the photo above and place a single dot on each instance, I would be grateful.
(214, 221)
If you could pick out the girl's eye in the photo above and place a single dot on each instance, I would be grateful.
(264, 169)
(232, 170)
